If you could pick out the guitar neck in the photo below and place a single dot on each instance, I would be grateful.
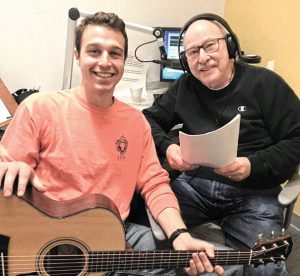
(136, 260)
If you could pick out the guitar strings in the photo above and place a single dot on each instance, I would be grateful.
(108, 267)
(140, 254)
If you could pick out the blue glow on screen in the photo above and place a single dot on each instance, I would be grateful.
(170, 39)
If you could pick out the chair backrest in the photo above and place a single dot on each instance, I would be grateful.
(288, 197)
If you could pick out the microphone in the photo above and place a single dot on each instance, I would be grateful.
(74, 13)
(170, 63)
(162, 50)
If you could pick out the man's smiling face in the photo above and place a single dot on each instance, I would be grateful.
(101, 58)
(214, 69)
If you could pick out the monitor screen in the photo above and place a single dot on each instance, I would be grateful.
(170, 39)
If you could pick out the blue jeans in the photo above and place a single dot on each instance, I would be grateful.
(243, 214)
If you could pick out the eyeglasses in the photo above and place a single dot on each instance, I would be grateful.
(209, 48)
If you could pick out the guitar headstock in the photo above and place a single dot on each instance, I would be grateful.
(272, 250)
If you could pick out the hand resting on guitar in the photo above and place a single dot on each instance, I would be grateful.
(10, 171)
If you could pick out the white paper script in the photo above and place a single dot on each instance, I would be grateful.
(214, 149)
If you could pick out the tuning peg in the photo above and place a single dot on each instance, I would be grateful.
(272, 259)
(275, 245)
(260, 237)
(261, 261)
(283, 258)
(286, 242)
(272, 235)
(263, 248)
(282, 231)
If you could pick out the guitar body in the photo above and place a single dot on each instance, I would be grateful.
(35, 233)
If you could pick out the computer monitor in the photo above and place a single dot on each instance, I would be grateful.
(170, 39)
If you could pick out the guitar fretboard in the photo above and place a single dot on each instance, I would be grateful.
(131, 260)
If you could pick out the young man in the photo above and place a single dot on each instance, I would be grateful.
(242, 196)
(85, 141)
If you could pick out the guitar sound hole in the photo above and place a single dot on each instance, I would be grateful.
(65, 259)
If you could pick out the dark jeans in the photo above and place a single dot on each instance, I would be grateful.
(243, 214)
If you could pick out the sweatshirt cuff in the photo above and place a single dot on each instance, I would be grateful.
(257, 166)
(162, 201)
(164, 145)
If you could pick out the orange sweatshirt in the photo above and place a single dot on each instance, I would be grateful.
(76, 148)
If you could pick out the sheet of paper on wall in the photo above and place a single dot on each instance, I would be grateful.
(134, 74)
(4, 113)
(213, 149)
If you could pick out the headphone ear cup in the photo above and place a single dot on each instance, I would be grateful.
(184, 62)
(231, 46)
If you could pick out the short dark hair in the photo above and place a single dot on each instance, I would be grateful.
(109, 20)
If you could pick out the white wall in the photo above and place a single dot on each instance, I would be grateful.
(33, 33)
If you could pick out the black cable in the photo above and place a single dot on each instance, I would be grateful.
(135, 52)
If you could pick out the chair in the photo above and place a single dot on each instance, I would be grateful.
(288, 197)
(213, 233)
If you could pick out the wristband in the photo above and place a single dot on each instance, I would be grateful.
(175, 234)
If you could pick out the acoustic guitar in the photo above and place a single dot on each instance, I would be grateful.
(85, 236)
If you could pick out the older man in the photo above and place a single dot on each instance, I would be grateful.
(241, 196)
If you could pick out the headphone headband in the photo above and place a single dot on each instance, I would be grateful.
(232, 41)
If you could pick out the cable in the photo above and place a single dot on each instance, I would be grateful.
(135, 52)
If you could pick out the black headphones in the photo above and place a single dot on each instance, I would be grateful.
(232, 42)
